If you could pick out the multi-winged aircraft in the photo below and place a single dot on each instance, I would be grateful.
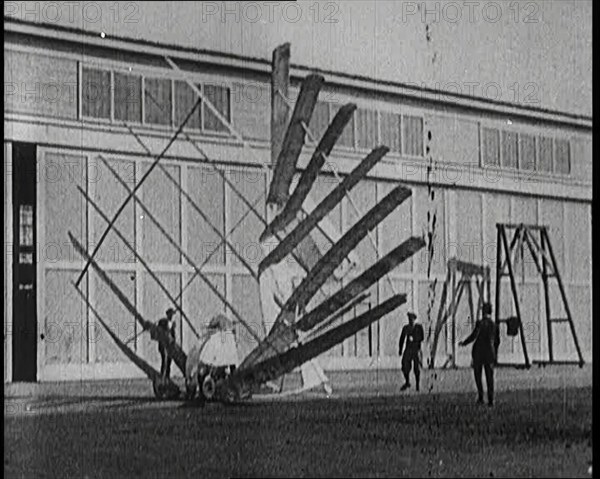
(296, 331)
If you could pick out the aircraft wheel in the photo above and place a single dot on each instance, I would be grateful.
(208, 387)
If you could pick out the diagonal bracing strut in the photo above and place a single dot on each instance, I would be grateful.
(138, 186)
(186, 256)
(140, 259)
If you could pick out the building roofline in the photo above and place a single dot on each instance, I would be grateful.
(262, 65)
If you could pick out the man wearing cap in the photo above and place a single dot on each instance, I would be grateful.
(413, 334)
(485, 339)
(167, 324)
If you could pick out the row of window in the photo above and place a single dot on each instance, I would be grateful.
(155, 101)
(509, 149)
(167, 102)
(114, 95)
(368, 128)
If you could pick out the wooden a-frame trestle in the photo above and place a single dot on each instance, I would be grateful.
(545, 262)
(459, 278)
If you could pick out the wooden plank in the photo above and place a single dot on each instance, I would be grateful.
(279, 339)
(165, 340)
(283, 332)
(317, 276)
(309, 175)
(293, 141)
(276, 366)
(338, 314)
(329, 203)
(364, 281)
(280, 82)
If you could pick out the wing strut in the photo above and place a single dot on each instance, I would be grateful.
(137, 187)
(309, 175)
(294, 140)
(187, 257)
(164, 339)
(152, 373)
(322, 209)
(140, 259)
(275, 366)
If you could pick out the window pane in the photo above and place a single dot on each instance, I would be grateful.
(157, 101)
(366, 128)
(509, 149)
(185, 99)
(390, 130)
(219, 96)
(319, 120)
(562, 155)
(26, 225)
(413, 136)
(251, 110)
(491, 146)
(95, 93)
(544, 154)
(527, 152)
(128, 97)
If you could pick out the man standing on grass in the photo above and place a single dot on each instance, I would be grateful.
(413, 334)
(485, 339)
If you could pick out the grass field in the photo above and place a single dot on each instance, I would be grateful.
(360, 431)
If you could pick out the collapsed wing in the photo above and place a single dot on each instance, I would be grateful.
(283, 333)
(322, 209)
(283, 348)
(309, 175)
(275, 366)
(294, 139)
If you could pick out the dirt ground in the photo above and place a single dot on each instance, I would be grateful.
(540, 426)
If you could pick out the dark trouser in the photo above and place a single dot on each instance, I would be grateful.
(410, 359)
(489, 379)
(165, 363)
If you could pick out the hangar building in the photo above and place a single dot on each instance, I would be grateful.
(68, 92)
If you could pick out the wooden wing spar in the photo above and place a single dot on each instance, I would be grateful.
(275, 366)
(323, 209)
(309, 175)
(294, 140)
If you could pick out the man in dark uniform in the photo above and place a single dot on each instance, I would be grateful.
(486, 339)
(413, 334)
(168, 325)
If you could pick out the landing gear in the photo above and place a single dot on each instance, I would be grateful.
(211, 383)
(208, 387)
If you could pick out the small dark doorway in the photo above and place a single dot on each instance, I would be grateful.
(24, 347)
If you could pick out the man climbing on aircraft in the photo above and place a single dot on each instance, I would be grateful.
(413, 334)
(167, 324)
